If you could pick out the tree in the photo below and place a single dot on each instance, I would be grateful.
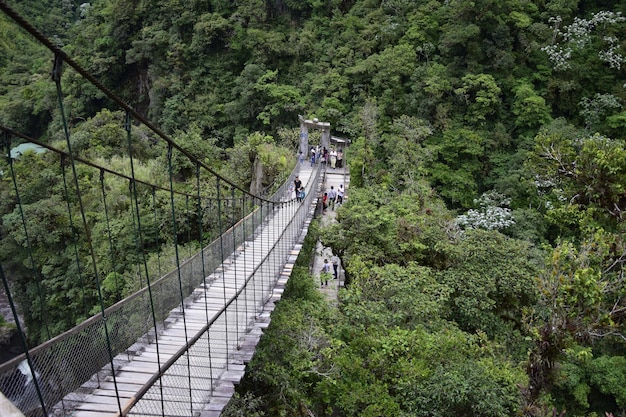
(491, 215)
(594, 110)
(406, 155)
(378, 226)
(458, 165)
(258, 163)
(530, 109)
(581, 305)
(586, 176)
(392, 371)
(481, 94)
(280, 99)
(598, 30)
(490, 288)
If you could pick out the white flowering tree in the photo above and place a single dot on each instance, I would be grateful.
(491, 214)
(595, 109)
(600, 30)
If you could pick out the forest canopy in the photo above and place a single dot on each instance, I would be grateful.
(483, 233)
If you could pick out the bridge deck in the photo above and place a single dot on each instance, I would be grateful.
(192, 384)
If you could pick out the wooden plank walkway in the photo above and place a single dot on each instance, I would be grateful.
(201, 381)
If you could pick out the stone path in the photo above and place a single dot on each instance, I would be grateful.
(334, 178)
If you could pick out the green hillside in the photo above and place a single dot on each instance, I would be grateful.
(483, 234)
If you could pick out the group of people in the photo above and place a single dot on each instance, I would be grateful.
(332, 158)
(332, 198)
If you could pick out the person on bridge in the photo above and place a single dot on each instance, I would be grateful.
(340, 193)
(333, 158)
(301, 194)
(335, 262)
(340, 159)
(332, 197)
(297, 184)
(324, 274)
(312, 156)
(324, 203)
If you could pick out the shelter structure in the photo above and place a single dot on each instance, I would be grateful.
(339, 142)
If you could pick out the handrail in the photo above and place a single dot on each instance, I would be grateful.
(20, 135)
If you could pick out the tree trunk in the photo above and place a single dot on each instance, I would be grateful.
(256, 183)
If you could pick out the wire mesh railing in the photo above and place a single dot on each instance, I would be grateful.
(208, 351)
(89, 243)
(69, 360)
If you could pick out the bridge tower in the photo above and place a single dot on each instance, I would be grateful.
(304, 133)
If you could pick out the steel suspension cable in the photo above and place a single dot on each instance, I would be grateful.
(74, 236)
(180, 278)
(20, 332)
(223, 267)
(136, 238)
(270, 234)
(275, 244)
(245, 249)
(43, 310)
(56, 77)
(188, 226)
(204, 277)
(200, 228)
(234, 207)
(118, 293)
(139, 235)
(157, 231)
(253, 247)
(265, 220)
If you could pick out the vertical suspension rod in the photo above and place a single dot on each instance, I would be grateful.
(133, 185)
(56, 77)
(180, 279)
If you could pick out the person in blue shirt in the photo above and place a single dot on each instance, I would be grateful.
(332, 196)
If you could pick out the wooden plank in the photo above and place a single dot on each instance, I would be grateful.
(112, 393)
(83, 413)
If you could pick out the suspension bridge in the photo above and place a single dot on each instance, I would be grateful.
(156, 343)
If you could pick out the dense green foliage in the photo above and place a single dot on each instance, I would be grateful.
(483, 232)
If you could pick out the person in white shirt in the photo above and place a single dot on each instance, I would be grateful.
(340, 193)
